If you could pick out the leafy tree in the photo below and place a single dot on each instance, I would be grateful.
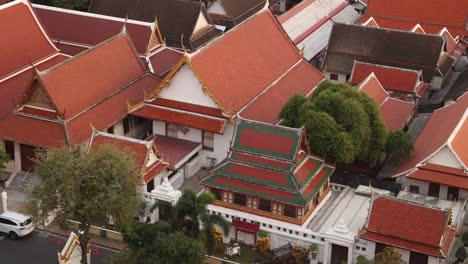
(4, 158)
(388, 256)
(341, 123)
(399, 144)
(159, 243)
(189, 212)
(92, 189)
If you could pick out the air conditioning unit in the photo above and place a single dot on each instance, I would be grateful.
(193, 167)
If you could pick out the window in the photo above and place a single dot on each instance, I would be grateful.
(452, 194)
(227, 197)
(150, 185)
(110, 130)
(239, 199)
(347, 77)
(10, 149)
(216, 192)
(264, 205)
(414, 189)
(208, 140)
(7, 222)
(333, 77)
(126, 124)
(290, 211)
(171, 130)
(434, 189)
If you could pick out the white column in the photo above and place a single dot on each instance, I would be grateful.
(350, 254)
(17, 157)
(5, 201)
(118, 128)
(326, 252)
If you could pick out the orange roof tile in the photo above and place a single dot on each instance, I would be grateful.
(243, 62)
(91, 76)
(441, 175)
(301, 79)
(372, 87)
(164, 60)
(47, 133)
(23, 39)
(459, 143)
(396, 112)
(435, 134)
(407, 225)
(391, 78)
(207, 123)
(199, 109)
(433, 15)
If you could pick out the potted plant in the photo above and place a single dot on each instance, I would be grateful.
(314, 250)
(460, 254)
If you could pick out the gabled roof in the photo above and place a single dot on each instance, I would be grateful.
(163, 60)
(99, 71)
(433, 15)
(280, 171)
(391, 78)
(407, 225)
(242, 63)
(439, 174)
(446, 128)
(239, 10)
(176, 18)
(140, 149)
(302, 78)
(382, 46)
(80, 29)
(394, 112)
(24, 40)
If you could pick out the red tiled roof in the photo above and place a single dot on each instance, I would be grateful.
(243, 62)
(89, 29)
(13, 89)
(164, 60)
(109, 111)
(450, 43)
(433, 15)
(301, 79)
(69, 49)
(372, 87)
(435, 134)
(174, 150)
(391, 78)
(317, 182)
(396, 112)
(258, 160)
(23, 39)
(407, 225)
(459, 142)
(33, 131)
(199, 109)
(182, 118)
(262, 140)
(422, 89)
(39, 112)
(93, 75)
(305, 169)
(139, 150)
(154, 171)
(441, 175)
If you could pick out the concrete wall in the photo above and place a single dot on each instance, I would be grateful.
(445, 157)
(341, 77)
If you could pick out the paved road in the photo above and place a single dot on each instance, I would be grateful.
(41, 248)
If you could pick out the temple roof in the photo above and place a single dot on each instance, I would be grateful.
(245, 61)
(441, 175)
(408, 225)
(448, 126)
(280, 171)
(382, 46)
(238, 10)
(176, 18)
(24, 40)
(83, 29)
(433, 15)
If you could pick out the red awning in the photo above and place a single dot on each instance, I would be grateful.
(215, 125)
(246, 227)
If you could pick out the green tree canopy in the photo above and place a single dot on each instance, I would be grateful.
(399, 144)
(159, 243)
(92, 189)
(341, 123)
(81, 5)
(4, 158)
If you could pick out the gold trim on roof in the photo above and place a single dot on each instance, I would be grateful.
(131, 107)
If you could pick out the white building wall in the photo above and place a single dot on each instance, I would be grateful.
(217, 8)
(433, 260)
(185, 87)
(159, 127)
(423, 186)
(366, 249)
(119, 128)
(341, 77)
(192, 134)
(221, 146)
(445, 157)
(17, 157)
(405, 254)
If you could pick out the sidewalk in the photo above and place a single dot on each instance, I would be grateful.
(95, 240)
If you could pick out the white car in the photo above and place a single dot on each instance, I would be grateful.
(15, 224)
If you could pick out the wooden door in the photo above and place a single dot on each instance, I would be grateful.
(27, 157)
(339, 254)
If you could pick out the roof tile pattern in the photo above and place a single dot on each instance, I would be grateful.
(441, 175)
(396, 112)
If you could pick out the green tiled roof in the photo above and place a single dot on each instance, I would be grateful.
(311, 173)
(317, 184)
(286, 133)
(236, 157)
